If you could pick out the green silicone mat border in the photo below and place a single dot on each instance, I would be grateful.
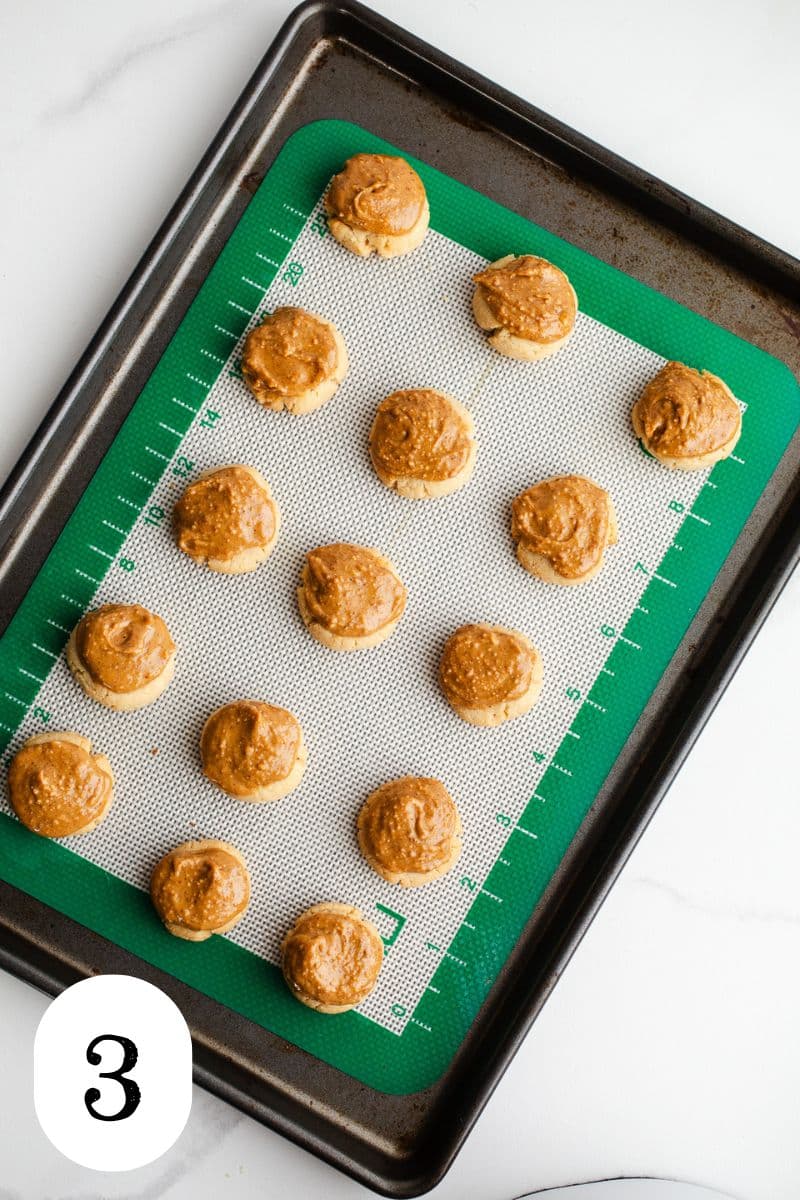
(91, 541)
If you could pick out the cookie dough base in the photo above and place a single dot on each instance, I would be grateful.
(202, 935)
(385, 245)
(246, 560)
(536, 564)
(336, 641)
(100, 761)
(432, 489)
(346, 910)
(411, 879)
(698, 462)
(510, 344)
(314, 398)
(496, 714)
(281, 787)
(121, 701)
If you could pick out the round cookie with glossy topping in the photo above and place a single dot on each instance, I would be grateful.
(409, 830)
(422, 443)
(122, 655)
(294, 360)
(687, 419)
(57, 787)
(200, 888)
(526, 305)
(350, 597)
(253, 751)
(489, 674)
(227, 520)
(377, 204)
(562, 527)
(331, 957)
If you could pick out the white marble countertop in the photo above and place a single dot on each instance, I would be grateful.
(670, 1046)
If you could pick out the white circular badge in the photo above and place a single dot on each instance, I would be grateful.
(112, 1073)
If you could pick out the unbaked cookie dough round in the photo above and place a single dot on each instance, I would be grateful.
(122, 655)
(562, 527)
(350, 597)
(526, 305)
(331, 957)
(57, 787)
(409, 830)
(687, 419)
(490, 674)
(377, 203)
(253, 751)
(200, 888)
(422, 443)
(227, 520)
(294, 360)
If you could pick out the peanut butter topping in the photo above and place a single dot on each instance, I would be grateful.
(529, 297)
(248, 745)
(332, 958)
(410, 825)
(57, 788)
(483, 665)
(201, 888)
(123, 646)
(684, 413)
(223, 514)
(567, 520)
(378, 193)
(350, 591)
(290, 353)
(419, 434)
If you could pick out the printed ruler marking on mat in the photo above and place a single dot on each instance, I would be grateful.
(277, 246)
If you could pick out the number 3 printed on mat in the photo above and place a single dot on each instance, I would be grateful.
(112, 1073)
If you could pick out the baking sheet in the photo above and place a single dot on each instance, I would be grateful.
(374, 715)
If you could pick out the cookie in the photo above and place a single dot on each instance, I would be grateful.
(294, 360)
(253, 751)
(57, 787)
(489, 674)
(200, 888)
(122, 655)
(562, 527)
(227, 520)
(331, 957)
(377, 204)
(526, 305)
(687, 419)
(422, 443)
(409, 831)
(350, 597)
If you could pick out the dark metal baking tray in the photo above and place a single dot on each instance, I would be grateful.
(341, 60)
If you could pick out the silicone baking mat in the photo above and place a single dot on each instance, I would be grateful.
(522, 789)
